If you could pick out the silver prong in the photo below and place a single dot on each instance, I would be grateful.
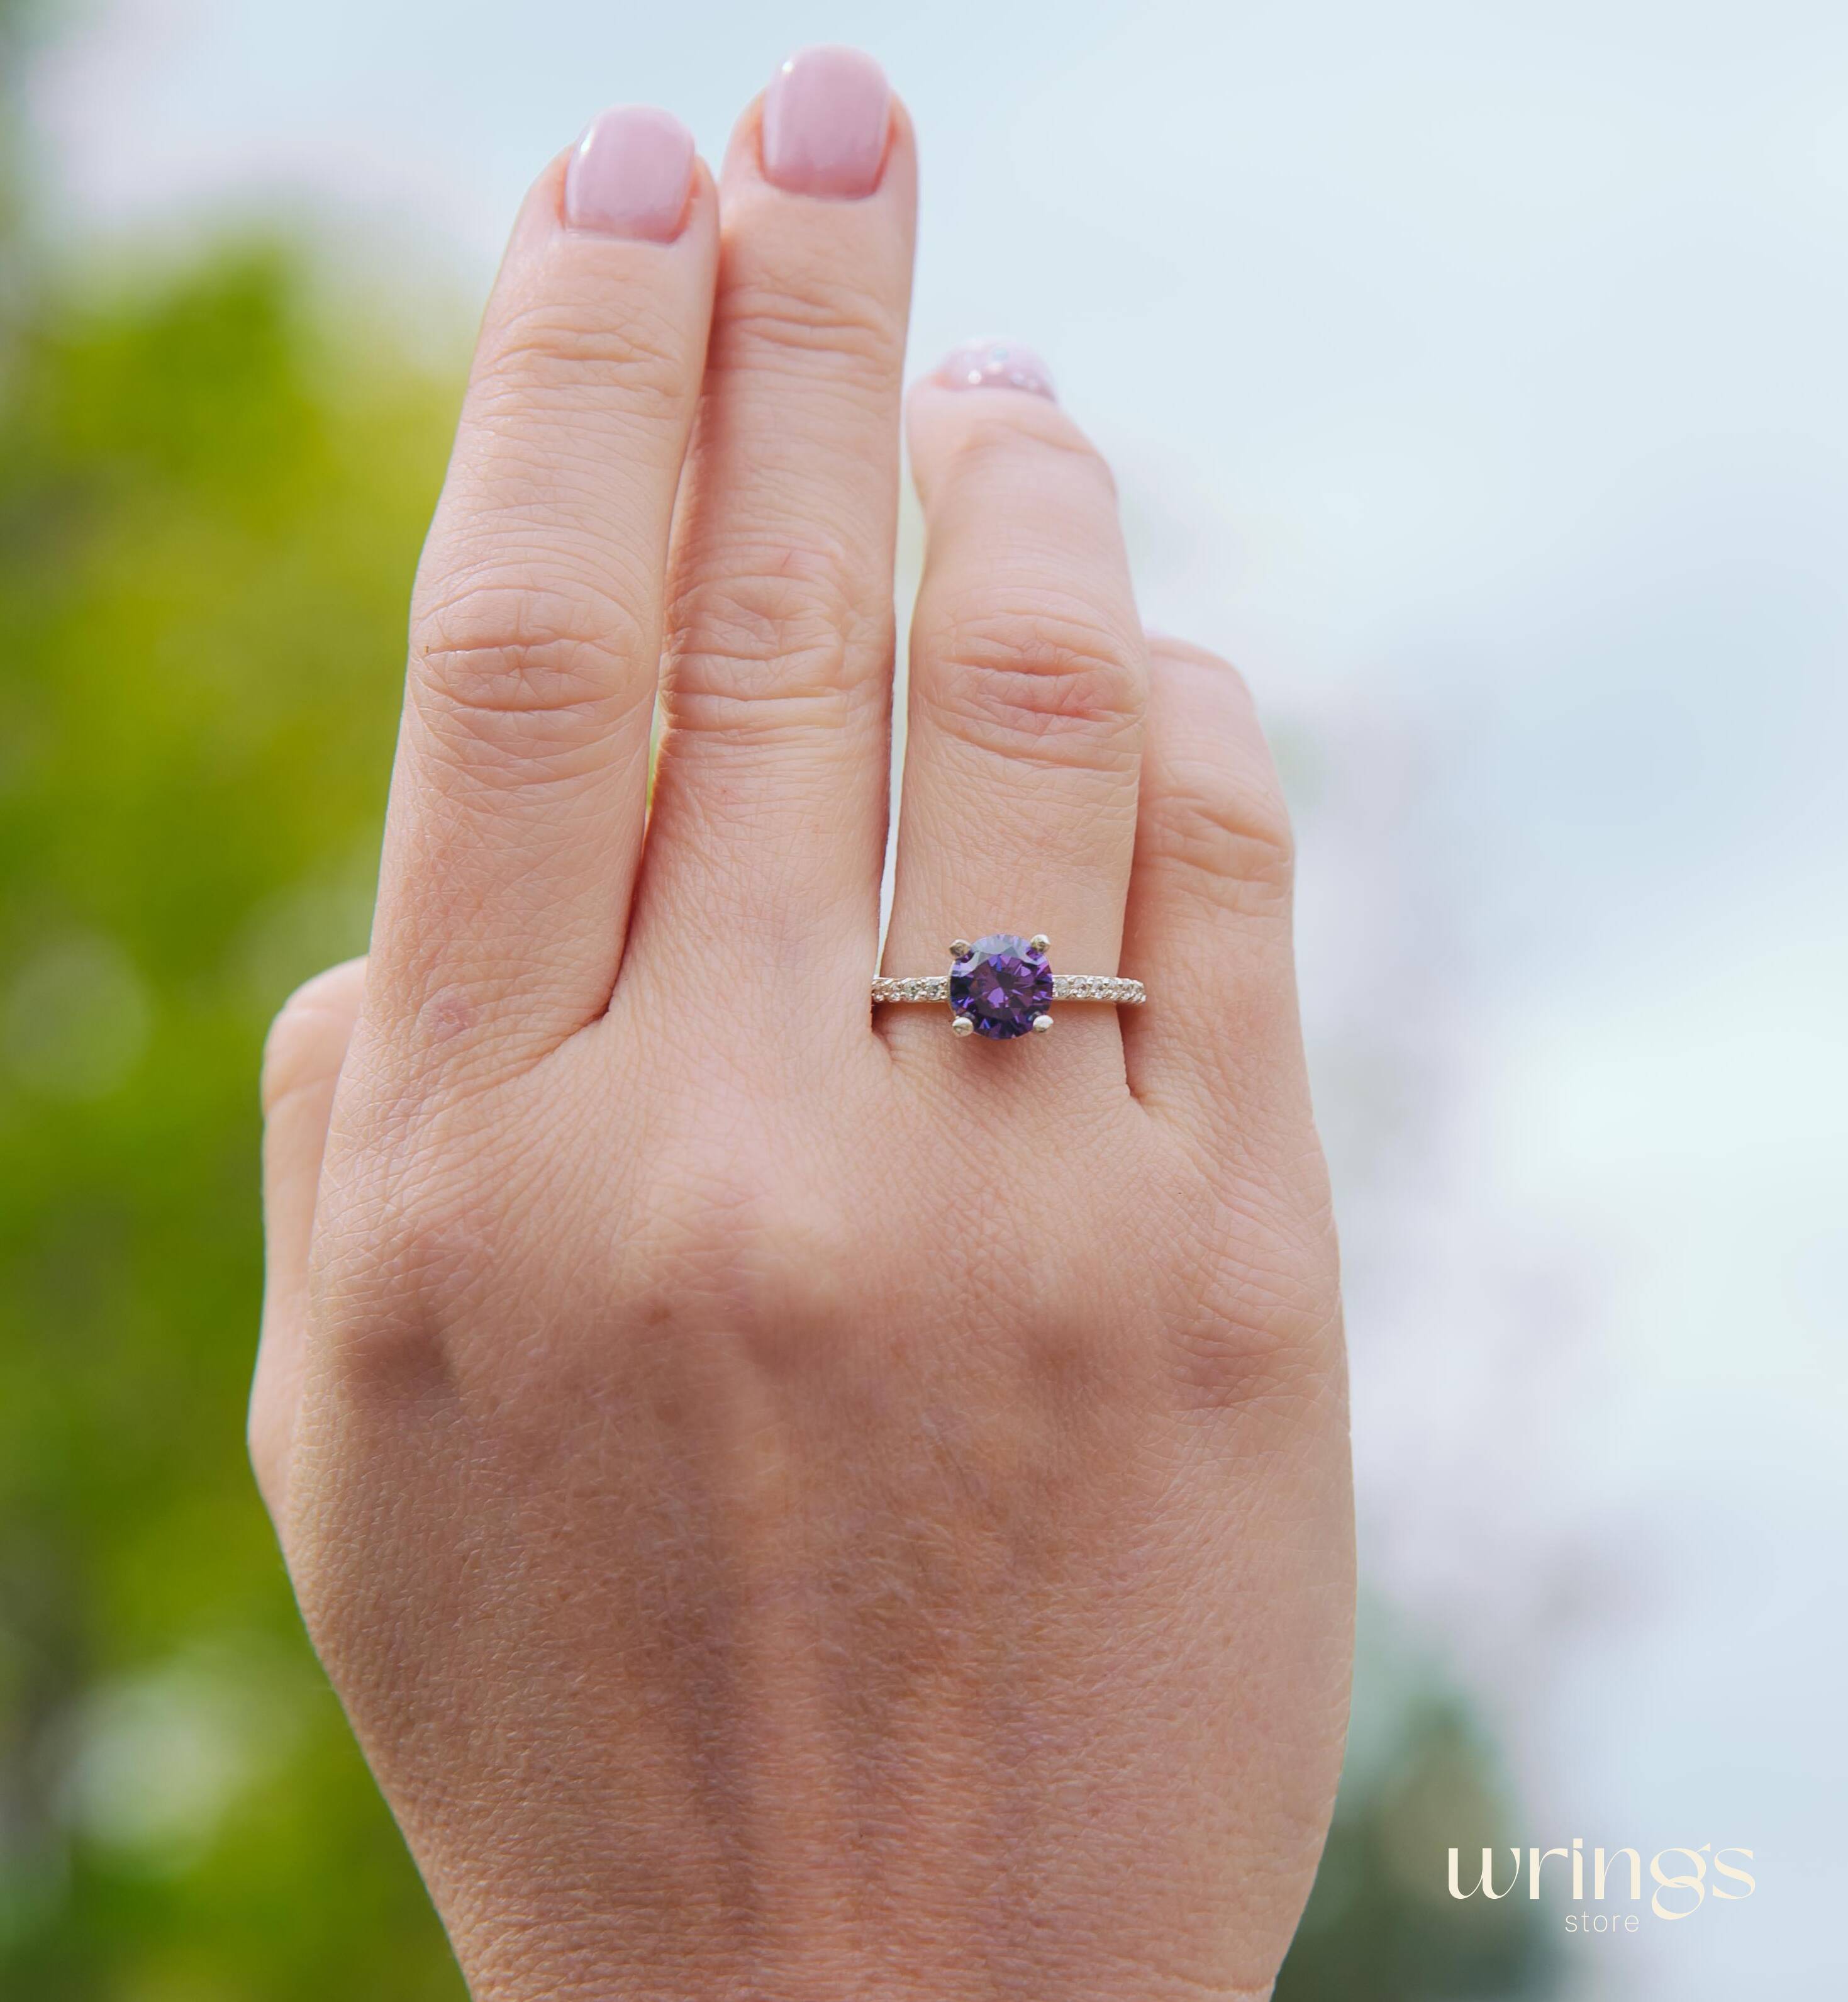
(1040, 942)
(961, 948)
(1041, 1024)
(960, 1025)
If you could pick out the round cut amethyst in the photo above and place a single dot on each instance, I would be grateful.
(1001, 986)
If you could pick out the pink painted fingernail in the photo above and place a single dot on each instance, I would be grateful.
(824, 123)
(996, 365)
(631, 175)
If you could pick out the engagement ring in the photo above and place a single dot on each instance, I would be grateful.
(1002, 986)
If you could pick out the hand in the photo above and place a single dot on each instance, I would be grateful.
(797, 1504)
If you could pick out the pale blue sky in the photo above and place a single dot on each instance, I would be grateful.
(1474, 374)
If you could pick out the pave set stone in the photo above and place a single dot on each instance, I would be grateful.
(1098, 987)
(925, 987)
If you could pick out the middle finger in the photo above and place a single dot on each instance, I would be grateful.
(770, 796)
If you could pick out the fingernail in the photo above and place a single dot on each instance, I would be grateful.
(824, 123)
(631, 175)
(996, 365)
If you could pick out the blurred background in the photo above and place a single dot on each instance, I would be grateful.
(1474, 375)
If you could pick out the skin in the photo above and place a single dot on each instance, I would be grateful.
(797, 1504)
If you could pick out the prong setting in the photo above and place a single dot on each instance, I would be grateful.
(1041, 1024)
(1040, 942)
(961, 948)
(960, 1025)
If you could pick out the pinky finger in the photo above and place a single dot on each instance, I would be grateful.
(1218, 1049)
(301, 1067)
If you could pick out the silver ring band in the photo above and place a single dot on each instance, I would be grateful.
(1002, 986)
(1066, 987)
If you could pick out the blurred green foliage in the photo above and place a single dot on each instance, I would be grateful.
(210, 510)
(1381, 1924)
(211, 503)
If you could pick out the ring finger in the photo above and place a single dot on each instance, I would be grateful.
(1028, 674)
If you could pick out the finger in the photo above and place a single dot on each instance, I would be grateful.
(1027, 677)
(770, 810)
(1217, 1046)
(520, 788)
(301, 1066)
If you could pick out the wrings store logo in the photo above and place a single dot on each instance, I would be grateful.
(1680, 1889)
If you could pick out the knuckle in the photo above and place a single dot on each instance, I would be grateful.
(1264, 1322)
(770, 639)
(742, 1246)
(808, 312)
(578, 343)
(1040, 441)
(1272, 1344)
(1165, 646)
(1233, 839)
(1048, 680)
(525, 682)
(401, 1263)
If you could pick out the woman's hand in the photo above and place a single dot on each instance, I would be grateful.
(796, 1503)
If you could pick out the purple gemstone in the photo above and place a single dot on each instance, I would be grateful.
(1001, 986)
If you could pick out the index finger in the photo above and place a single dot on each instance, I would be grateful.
(520, 785)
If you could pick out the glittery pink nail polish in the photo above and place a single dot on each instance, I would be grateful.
(631, 175)
(996, 365)
(825, 120)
